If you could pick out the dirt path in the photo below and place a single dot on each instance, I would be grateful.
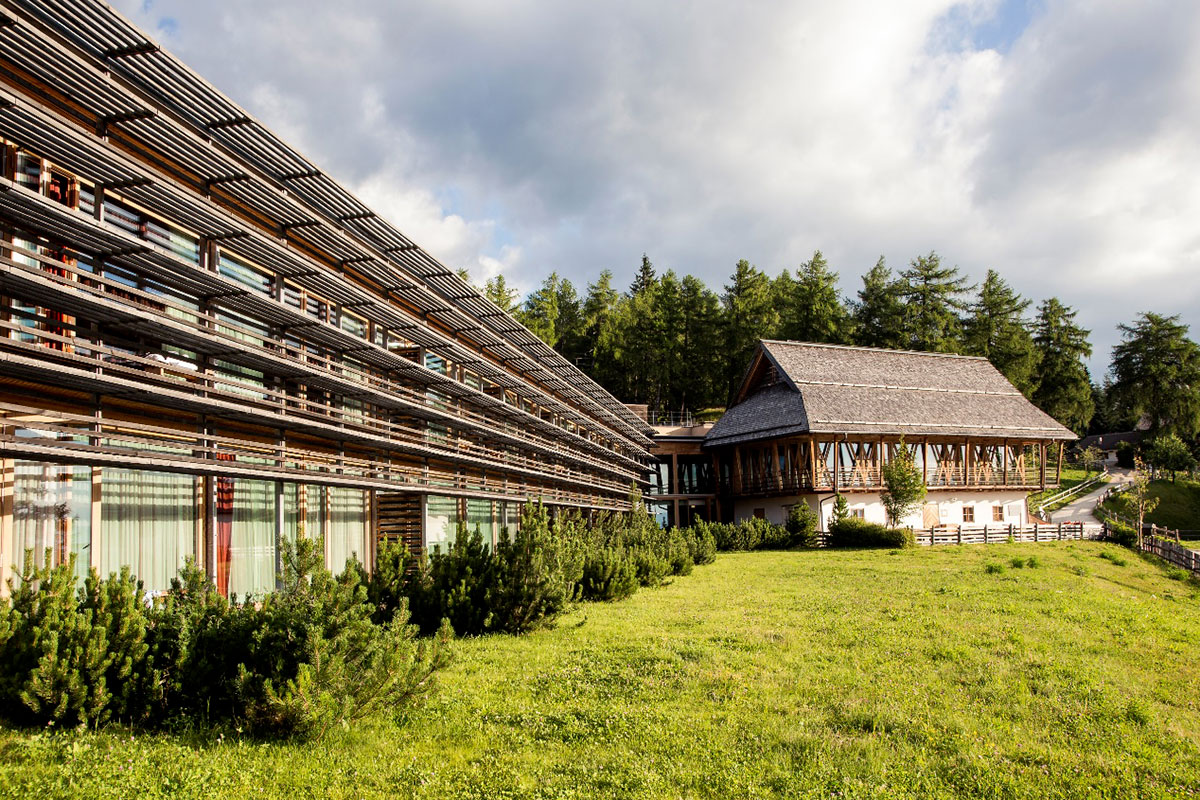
(1080, 509)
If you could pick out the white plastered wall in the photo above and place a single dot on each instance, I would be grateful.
(950, 505)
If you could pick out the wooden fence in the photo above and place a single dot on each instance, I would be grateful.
(994, 534)
(1172, 552)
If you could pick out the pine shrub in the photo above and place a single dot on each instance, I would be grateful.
(854, 532)
(608, 574)
(317, 660)
(801, 526)
(463, 587)
(701, 544)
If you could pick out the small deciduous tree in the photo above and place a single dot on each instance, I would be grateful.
(1139, 496)
(904, 485)
(1090, 459)
(1170, 454)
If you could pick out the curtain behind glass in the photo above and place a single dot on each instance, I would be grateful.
(252, 548)
(52, 509)
(479, 515)
(147, 521)
(441, 522)
(347, 524)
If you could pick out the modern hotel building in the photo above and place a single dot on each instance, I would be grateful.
(208, 346)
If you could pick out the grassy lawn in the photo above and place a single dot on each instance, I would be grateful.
(1070, 479)
(814, 674)
(1178, 504)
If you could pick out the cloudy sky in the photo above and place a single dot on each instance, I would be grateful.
(1054, 141)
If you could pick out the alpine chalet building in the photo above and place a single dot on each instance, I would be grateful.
(812, 421)
(210, 347)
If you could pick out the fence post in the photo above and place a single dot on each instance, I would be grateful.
(1060, 531)
(1035, 532)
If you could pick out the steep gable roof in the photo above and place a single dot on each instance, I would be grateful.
(795, 387)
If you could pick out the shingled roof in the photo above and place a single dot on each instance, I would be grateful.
(795, 387)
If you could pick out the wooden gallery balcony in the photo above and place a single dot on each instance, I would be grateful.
(811, 464)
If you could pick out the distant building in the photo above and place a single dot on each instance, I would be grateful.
(210, 347)
(812, 420)
(1108, 443)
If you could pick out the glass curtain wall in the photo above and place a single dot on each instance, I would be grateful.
(148, 522)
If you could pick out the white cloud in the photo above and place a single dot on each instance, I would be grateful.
(537, 136)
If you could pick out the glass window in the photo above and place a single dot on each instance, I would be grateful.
(148, 522)
(352, 324)
(968, 513)
(347, 526)
(441, 522)
(238, 270)
(663, 512)
(29, 171)
(479, 515)
(997, 513)
(52, 510)
(252, 541)
(695, 475)
(660, 477)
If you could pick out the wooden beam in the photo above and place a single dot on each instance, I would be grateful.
(775, 466)
(1058, 466)
(812, 462)
(837, 464)
(1042, 459)
(737, 469)
(1006, 462)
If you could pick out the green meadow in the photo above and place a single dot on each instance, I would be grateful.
(1000, 671)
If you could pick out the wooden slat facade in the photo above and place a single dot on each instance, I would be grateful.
(182, 293)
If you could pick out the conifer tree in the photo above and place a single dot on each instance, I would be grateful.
(879, 313)
(539, 312)
(570, 328)
(644, 279)
(699, 344)
(934, 297)
(812, 311)
(749, 316)
(1156, 371)
(996, 329)
(1064, 388)
(499, 292)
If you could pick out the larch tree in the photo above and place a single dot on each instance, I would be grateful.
(499, 292)
(1156, 373)
(812, 311)
(599, 307)
(878, 315)
(1063, 386)
(539, 312)
(570, 327)
(699, 342)
(933, 294)
(995, 328)
(750, 315)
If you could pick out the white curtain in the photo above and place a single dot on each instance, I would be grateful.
(347, 526)
(479, 515)
(441, 522)
(148, 522)
(252, 552)
(52, 509)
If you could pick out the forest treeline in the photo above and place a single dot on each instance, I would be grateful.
(678, 345)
